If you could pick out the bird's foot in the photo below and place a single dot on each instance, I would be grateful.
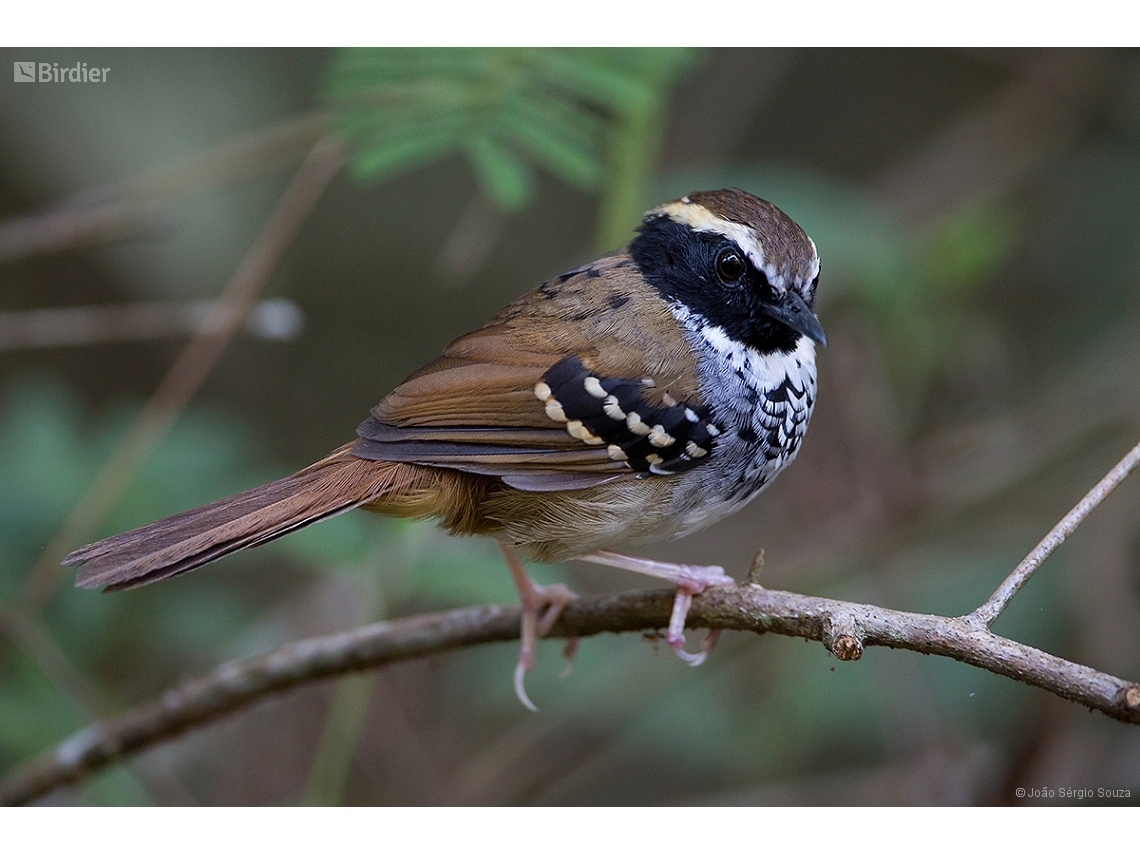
(690, 579)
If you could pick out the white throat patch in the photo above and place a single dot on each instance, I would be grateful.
(766, 371)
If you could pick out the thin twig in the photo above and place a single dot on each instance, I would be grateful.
(993, 146)
(41, 648)
(135, 204)
(988, 612)
(846, 627)
(72, 227)
(466, 249)
(193, 365)
(77, 326)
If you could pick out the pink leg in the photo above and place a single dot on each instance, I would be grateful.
(690, 579)
(542, 604)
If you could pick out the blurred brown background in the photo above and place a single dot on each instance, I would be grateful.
(978, 218)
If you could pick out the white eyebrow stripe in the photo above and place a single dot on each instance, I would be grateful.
(701, 219)
(815, 259)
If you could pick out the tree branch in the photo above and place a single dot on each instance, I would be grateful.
(845, 628)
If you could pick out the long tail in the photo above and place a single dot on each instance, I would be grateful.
(185, 541)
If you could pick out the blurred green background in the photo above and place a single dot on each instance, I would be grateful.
(978, 218)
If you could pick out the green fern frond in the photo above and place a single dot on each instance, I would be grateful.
(510, 111)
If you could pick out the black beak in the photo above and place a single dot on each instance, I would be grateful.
(793, 312)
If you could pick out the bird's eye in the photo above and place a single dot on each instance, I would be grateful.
(730, 265)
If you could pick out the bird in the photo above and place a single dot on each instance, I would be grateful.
(638, 398)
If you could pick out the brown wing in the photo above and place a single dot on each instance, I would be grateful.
(478, 408)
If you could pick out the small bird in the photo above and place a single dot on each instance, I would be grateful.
(639, 398)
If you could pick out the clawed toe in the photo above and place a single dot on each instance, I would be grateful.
(698, 658)
(520, 684)
(568, 653)
(541, 607)
(695, 581)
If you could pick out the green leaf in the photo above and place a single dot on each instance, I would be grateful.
(586, 73)
(389, 158)
(506, 178)
(549, 134)
(563, 110)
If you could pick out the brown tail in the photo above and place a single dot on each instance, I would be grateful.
(188, 540)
